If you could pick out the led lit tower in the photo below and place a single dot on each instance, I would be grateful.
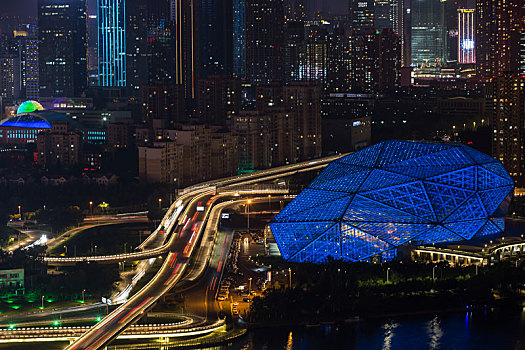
(428, 27)
(466, 32)
(62, 47)
(112, 42)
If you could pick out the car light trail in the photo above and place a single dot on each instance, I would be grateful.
(129, 314)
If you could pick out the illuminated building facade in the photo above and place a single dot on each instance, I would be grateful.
(112, 42)
(239, 38)
(506, 97)
(62, 47)
(466, 36)
(428, 33)
(365, 205)
(361, 14)
(499, 29)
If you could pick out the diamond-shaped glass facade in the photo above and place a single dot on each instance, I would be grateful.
(368, 203)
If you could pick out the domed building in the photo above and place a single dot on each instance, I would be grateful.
(367, 204)
(29, 106)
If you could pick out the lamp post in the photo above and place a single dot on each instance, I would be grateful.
(387, 275)
(248, 208)
(160, 202)
(249, 285)
(83, 293)
(434, 272)
(42, 302)
(65, 247)
(20, 211)
(290, 276)
(269, 201)
(91, 207)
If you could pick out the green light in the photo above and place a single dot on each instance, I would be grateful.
(56, 323)
(50, 300)
(80, 301)
(9, 301)
(98, 319)
(41, 307)
(11, 326)
(16, 307)
(29, 106)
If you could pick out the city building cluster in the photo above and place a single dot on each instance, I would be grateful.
(179, 91)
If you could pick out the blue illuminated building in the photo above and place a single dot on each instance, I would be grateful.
(368, 203)
(112, 42)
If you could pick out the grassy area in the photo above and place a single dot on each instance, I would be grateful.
(26, 304)
(105, 239)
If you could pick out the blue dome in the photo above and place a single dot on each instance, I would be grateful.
(370, 202)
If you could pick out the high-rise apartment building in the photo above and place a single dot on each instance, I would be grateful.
(219, 99)
(32, 74)
(499, 28)
(112, 42)
(505, 97)
(264, 41)
(62, 47)
(466, 36)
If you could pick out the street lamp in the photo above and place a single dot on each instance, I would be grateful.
(269, 201)
(290, 275)
(91, 207)
(249, 285)
(42, 303)
(65, 247)
(434, 272)
(20, 211)
(387, 274)
(160, 202)
(95, 250)
(83, 293)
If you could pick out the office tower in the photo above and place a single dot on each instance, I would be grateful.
(315, 64)
(294, 51)
(9, 78)
(150, 43)
(428, 33)
(239, 38)
(386, 14)
(339, 61)
(185, 19)
(499, 27)
(361, 13)
(216, 37)
(62, 47)
(264, 41)
(32, 84)
(112, 42)
(466, 38)
(404, 30)
(506, 97)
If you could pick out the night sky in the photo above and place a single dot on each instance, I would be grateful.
(28, 7)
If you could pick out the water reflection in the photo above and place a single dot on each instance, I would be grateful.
(389, 328)
(435, 332)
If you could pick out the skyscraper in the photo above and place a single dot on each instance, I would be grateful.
(32, 84)
(112, 42)
(361, 13)
(239, 38)
(386, 14)
(506, 97)
(404, 30)
(62, 47)
(264, 41)
(499, 28)
(466, 39)
(185, 19)
(216, 37)
(428, 33)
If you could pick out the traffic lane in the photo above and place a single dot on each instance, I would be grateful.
(170, 273)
